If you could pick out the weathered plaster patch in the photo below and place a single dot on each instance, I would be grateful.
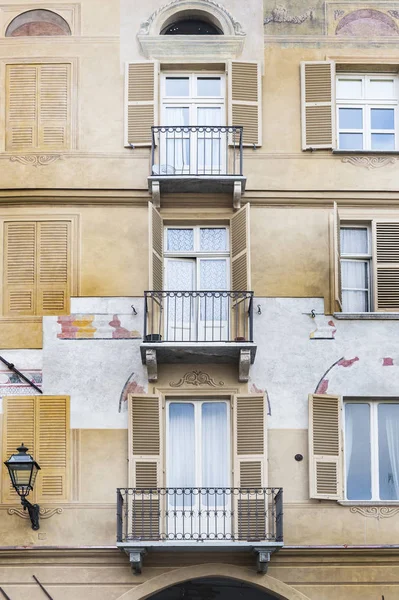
(96, 326)
(347, 363)
(131, 387)
(324, 330)
(255, 390)
(322, 387)
(387, 362)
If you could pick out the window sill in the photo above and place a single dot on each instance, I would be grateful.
(369, 316)
(372, 152)
(368, 502)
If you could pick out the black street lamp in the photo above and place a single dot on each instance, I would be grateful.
(23, 470)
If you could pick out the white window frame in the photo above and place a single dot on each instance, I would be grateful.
(373, 403)
(193, 100)
(366, 258)
(367, 104)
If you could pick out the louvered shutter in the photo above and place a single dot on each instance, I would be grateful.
(145, 465)
(53, 267)
(318, 102)
(141, 85)
(250, 465)
(337, 260)
(155, 227)
(52, 429)
(21, 107)
(18, 427)
(386, 265)
(245, 100)
(325, 447)
(54, 106)
(19, 268)
(240, 250)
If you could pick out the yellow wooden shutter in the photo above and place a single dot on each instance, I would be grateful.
(18, 427)
(155, 227)
(54, 106)
(245, 100)
(318, 102)
(145, 464)
(337, 260)
(386, 265)
(52, 447)
(53, 267)
(141, 84)
(19, 268)
(240, 250)
(325, 447)
(250, 465)
(21, 107)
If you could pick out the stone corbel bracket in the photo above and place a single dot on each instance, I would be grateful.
(136, 559)
(152, 365)
(244, 365)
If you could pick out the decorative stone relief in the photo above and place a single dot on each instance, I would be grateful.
(370, 162)
(36, 160)
(376, 512)
(280, 14)
(367, 22)
(45, 513)
(196, 378)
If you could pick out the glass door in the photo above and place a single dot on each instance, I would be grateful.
(214, 308)
(180, 309)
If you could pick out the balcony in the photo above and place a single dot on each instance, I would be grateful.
(197, 159)
(198, 327)
(200, 519)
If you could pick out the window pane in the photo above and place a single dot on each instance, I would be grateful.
(382, 118)
(351, 141)
(351, 118)
(355, 302)
(381, 89)
(357, 451)
(383, 141)
(213, 239)
(354, 274)
(209, 86)
(181, 459)
(177, 86)
(180, 240)
(215, 447)
(349, 88)
(354, 240)
(388, 451)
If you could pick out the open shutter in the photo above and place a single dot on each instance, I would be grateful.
(53, 277)
(145, 465)
(250, 465)
(18, 427)
(325, 447)
(156, 248)
(240, 250)
(54, 106)
(19, 268)
(386, 265)
(21, 107)
(337, 260)
(141, 83)
(318, 102)
(245, 100)
(52, 447)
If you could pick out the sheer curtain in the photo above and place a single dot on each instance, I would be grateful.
(179, 313)
(348, 439)
(209, 142)
(392, 431)
(177, 152)
(181, 455)
(354, 275)
(215, 449)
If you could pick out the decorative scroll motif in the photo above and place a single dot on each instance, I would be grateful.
(375, 512)
(36, 160)
(280, 15)
(146, 25)
(370, 162)
(338, 14)
(394, 13)
(45, 513)
(196, 378)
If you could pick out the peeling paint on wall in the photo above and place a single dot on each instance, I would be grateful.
(96, 326)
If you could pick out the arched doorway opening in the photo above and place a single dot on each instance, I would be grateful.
(215, 588)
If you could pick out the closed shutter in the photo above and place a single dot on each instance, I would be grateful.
(145, 465)
(19, 268)
(250, 466)
(54, 106)
(337, 260)
(52, 447)
(245, 100)
(53, 267)
(386, 265)
(21, 107)
(18, 428)
(325, 447)
(240, 250)
(155, 228)
(318, 102)
(141, 83)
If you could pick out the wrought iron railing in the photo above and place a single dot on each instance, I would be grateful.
(197, 150)
(213, 514)
(198, 316)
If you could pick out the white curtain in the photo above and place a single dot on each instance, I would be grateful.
(209, 142)
(213, 309)
(176, 153)
(179, 313)
(348, 438)
(215, 467)
(354, 241)
(181, 450)
(354, 275)
(392, 430)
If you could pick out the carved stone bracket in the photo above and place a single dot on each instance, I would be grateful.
(376, 512)
(196, 378)
(244, 365)
(237, 193)
(370, 162)
(156, 194)
(44, 513)
(280, 14)
(136, 559)
(152, 366)
(262, 560)
(36, 160)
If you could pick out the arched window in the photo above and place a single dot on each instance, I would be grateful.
(194, 26)
(37, 23)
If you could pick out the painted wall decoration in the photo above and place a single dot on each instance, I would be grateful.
(367, 22)
(280, 14)
(11, 384)
(131, 387)
(96, 326)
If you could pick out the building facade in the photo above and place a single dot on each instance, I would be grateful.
(200, 298)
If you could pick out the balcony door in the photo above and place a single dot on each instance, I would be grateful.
(198, 469)
(192, 110)
(197, 262)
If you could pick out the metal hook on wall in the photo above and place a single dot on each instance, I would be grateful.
(134, 310)
(259, 311)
